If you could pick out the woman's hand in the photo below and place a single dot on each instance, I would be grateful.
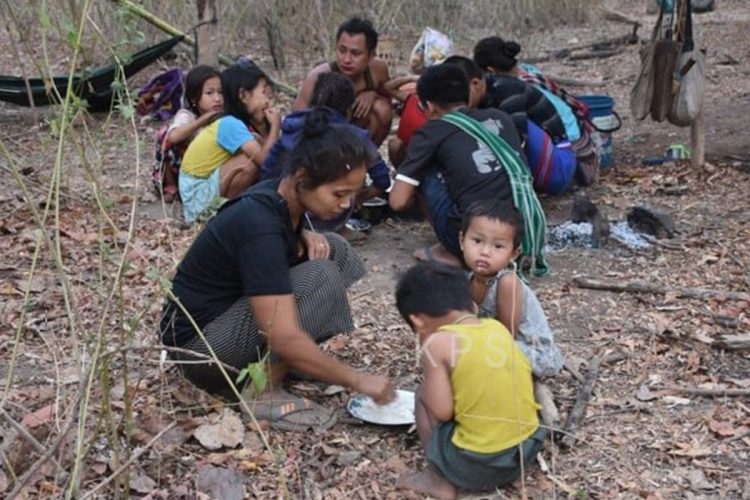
(316, 244)
(379, 388)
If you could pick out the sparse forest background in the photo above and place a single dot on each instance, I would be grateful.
(307, 27)
(90, 409)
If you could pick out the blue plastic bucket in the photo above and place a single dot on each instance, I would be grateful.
(606, 121)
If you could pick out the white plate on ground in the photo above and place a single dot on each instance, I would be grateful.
(400, 411)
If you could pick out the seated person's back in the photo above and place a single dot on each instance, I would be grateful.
(335, 92)
(450, 168)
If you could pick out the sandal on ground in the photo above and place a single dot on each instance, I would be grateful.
(297, 414)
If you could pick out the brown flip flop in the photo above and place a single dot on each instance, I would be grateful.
(296, 414)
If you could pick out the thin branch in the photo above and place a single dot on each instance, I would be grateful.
(129, 462)
(53, 447)
(644, 287)
(708, 392)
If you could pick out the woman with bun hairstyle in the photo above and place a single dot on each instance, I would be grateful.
(546, 143)
(259, 287)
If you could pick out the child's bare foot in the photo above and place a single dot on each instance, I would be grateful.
(428, 482)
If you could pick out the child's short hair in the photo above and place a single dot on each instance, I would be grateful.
(194, 81)
(507, 214)
(432, 289)
(444, 84)
(335, 91)
(470, 67)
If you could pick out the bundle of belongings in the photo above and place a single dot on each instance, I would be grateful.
(671, 81)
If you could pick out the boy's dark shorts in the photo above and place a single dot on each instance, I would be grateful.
(479, 471)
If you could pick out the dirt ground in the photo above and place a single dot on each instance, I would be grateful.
(659, 425)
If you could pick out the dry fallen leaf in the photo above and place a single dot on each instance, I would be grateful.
(688, 450)
(723, 429)
(744, 383)
(221, 483)
(38, 417)
(141, 483)
(698, 481)
(228, 432)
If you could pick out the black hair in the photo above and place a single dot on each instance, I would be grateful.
(327, 151)
(470, 67)
(432, 289)
(443, 84)
(506, 214)
(194, 81)
(356, 25)
(494, 52)
(235, 78)
(335, 91)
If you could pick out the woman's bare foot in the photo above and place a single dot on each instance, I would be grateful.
(437, 253)
(428, 482)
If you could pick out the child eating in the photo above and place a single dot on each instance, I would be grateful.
(475, 410)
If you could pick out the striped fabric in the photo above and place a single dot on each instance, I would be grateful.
(524, 197)
(319, 288)
(580, 109)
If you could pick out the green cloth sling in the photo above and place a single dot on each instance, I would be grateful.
(524, 197)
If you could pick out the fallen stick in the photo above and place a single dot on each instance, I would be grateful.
(596, 54)
(706, 392)
(643, 287)
(579, 409)
(662, 243)
(734, 342)
(630, 38)
(573, 370)
(190, 41)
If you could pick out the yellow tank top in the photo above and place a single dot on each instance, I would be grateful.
(204, 155)
(493, 392)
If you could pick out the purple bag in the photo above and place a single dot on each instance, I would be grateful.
(162, 96)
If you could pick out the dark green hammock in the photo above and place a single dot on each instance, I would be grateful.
(95, 86)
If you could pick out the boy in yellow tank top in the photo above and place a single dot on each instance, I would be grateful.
(475, 410)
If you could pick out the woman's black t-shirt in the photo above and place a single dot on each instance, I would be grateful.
(245, 250)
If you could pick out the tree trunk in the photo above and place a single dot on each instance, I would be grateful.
(206, 34)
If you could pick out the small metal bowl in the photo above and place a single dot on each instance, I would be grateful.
(374, 210)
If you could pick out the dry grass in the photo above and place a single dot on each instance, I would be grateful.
(307, 26)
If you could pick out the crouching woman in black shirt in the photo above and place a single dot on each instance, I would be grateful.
(255, 281)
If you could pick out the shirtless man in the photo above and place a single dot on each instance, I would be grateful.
(356, 41)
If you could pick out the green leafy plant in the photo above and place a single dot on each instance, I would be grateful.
(257, 372)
